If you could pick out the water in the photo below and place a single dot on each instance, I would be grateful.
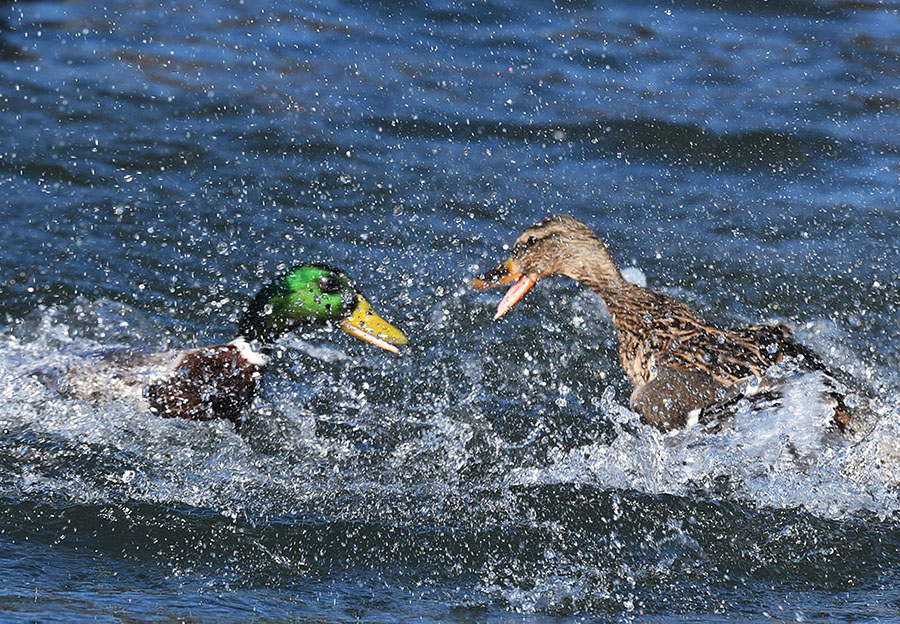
(159, 163)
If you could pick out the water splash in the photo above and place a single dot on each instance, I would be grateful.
(325, 435)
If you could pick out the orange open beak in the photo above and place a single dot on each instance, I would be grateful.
(503, 274)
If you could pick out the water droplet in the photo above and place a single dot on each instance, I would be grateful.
(609, 394)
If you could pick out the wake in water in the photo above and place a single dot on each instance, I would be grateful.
(786, 454)
(329, 435)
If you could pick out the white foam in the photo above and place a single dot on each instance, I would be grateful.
(635, 276)
(782, 456)
(785, 455)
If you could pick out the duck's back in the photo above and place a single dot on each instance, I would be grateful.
(199, 384)
(107, 375)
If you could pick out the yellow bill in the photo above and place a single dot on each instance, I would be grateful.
(366, 325)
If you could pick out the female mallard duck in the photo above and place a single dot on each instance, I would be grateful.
(681, 366)
(220, 381)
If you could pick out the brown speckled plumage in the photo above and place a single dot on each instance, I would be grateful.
(677, 362)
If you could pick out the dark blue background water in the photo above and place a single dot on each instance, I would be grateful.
(158, 163)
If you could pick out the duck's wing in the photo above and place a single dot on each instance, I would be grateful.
(733, 354)
(677, 396)
(712, 370)
(730, 355)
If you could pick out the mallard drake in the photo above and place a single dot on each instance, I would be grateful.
(220, 381)
(682, 367)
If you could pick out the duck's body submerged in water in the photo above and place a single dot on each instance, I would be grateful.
(683, 368)
(220, 381)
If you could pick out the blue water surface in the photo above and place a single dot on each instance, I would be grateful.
(160, 161)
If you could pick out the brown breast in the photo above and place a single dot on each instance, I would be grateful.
(209, 383)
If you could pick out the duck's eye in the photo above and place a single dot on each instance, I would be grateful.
(330, 285)
(522, 248)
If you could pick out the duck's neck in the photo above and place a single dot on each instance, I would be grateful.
(591, 264)
(262, 324)
(254, 329)
(627, 304)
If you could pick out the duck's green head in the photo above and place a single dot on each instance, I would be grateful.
(316, 294)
